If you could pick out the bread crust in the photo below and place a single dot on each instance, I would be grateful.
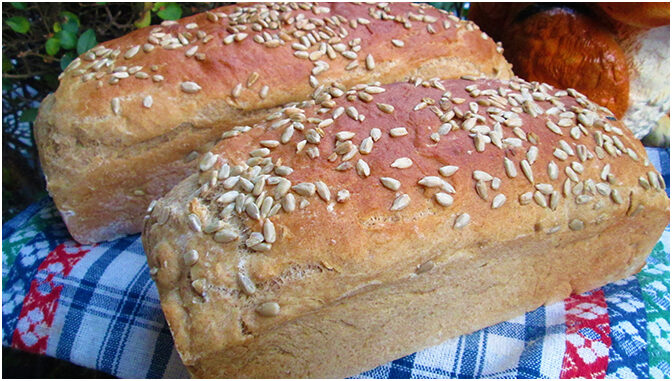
(104, 136)
(358, 284)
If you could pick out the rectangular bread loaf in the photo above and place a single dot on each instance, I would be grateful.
(321, 244)
(131, 114)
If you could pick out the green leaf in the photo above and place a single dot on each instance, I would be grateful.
(66, 59)
(21, 6)
(86, 41)
(144, 21)
(71, 26)
(19, 24)
(172, 11)
(57, 27)
(28, 115)
(157, 6)
(52, 46)
(6, 64)
(68, 39)
(68, 16)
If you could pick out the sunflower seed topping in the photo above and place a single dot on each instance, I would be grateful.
(482, 176)
(510, 168)
(246, 284)
(448, 170)
(269, 231)
(576, 224)
(147, 101)
(498, 201)
(323, 191)
(398, 43)
(269, 309)
(525, 198)
(605, 172)
(376, 134)
(363, 168)
(190, 257)
(644, 183)
(402, 163)
(130, 53)
(401, 202)
(398, 131)
(461, 221)
(443, 199)
(390, 183)
(527, 170)
(116, 106)
(616, 197)
(190, 87)
(194, 222)
(386, 108)
(304, 189)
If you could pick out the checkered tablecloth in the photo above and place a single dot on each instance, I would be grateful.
(97, 306)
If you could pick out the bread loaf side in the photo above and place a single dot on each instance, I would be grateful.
(324, 243)
(131, 114)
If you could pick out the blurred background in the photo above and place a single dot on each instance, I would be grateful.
(40, 39)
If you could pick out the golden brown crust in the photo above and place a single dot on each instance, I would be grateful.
(101, 127)
(252, 304)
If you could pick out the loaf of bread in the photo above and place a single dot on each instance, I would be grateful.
(130, 114)
(326, 241)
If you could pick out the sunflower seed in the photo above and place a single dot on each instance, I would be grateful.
(402, 163)
(366, 146)
(644, 183)
(431, 181)
(116, 106)
(560, 154)
(401, 202)
(228, 197)
(246, 284)
(130, 53)
(252, 210)
(461, 221)
(448, 170)
(571, 174)
(386, 108)
(398, 131)
(376, 134)
(254, 239)
(344, 135)
(363, 168)
(527, 170)
(323, 191)
(481, 175)
(616, 197)
(147, 101)
(269, 231)
(390, 183)
(398, 43)
(190, 87)
(263, 93)
(482, 190)
(443, 199)
(190, 257)
(268, 309)
(194, 223)
(525, 198)
(498, 201)
(352, 112)
(532, 154)
(540, 199)
(289, 203)
(576, 224)
(605, 172)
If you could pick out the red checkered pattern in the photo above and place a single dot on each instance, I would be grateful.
(39, 306)
(588, 340)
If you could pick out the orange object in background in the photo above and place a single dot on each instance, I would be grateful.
(617, 54)
(569, 50)
(642, 15)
